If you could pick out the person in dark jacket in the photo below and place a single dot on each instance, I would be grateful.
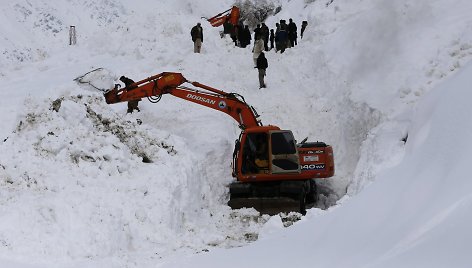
(292, 33)
(265, 36)
(241, 35)
(272, 38)
(247, 35)
(282, 36)
(245, 39)
(132, 105)
(262, 65)
(234, 34)
(257, 32)
(304, 24)
(197, 37)
(227, 27)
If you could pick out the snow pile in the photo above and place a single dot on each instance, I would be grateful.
(85, 182)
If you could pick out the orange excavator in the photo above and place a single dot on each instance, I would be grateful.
(231, 15)
(273, 173)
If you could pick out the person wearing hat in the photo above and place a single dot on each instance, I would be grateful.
(197, 37)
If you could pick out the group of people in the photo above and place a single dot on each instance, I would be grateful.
(285, 36)
(241, 35)
(241, 38)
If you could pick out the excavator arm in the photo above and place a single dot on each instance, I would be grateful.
(155, 86)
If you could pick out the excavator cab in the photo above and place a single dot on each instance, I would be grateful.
(274, 173)
(265, 160)
(265, 152)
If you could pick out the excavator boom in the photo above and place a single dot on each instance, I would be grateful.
(232, 104)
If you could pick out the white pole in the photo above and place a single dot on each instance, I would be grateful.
(72, 35)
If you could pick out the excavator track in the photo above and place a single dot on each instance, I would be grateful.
(272, 197)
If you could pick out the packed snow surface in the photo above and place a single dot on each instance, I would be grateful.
(83, 184)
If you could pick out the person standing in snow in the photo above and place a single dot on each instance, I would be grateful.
(262, 65)
(257, 32)
(132, 105)
(197, 37)
(304, 24)
(265, 36)
(234, 34)
(227, 27)
(272, 38)
(246, 39)
(257, 49)
(241, 39)
(292, 33)
(282, 36)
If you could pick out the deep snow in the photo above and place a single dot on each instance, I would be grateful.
(367, 76)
